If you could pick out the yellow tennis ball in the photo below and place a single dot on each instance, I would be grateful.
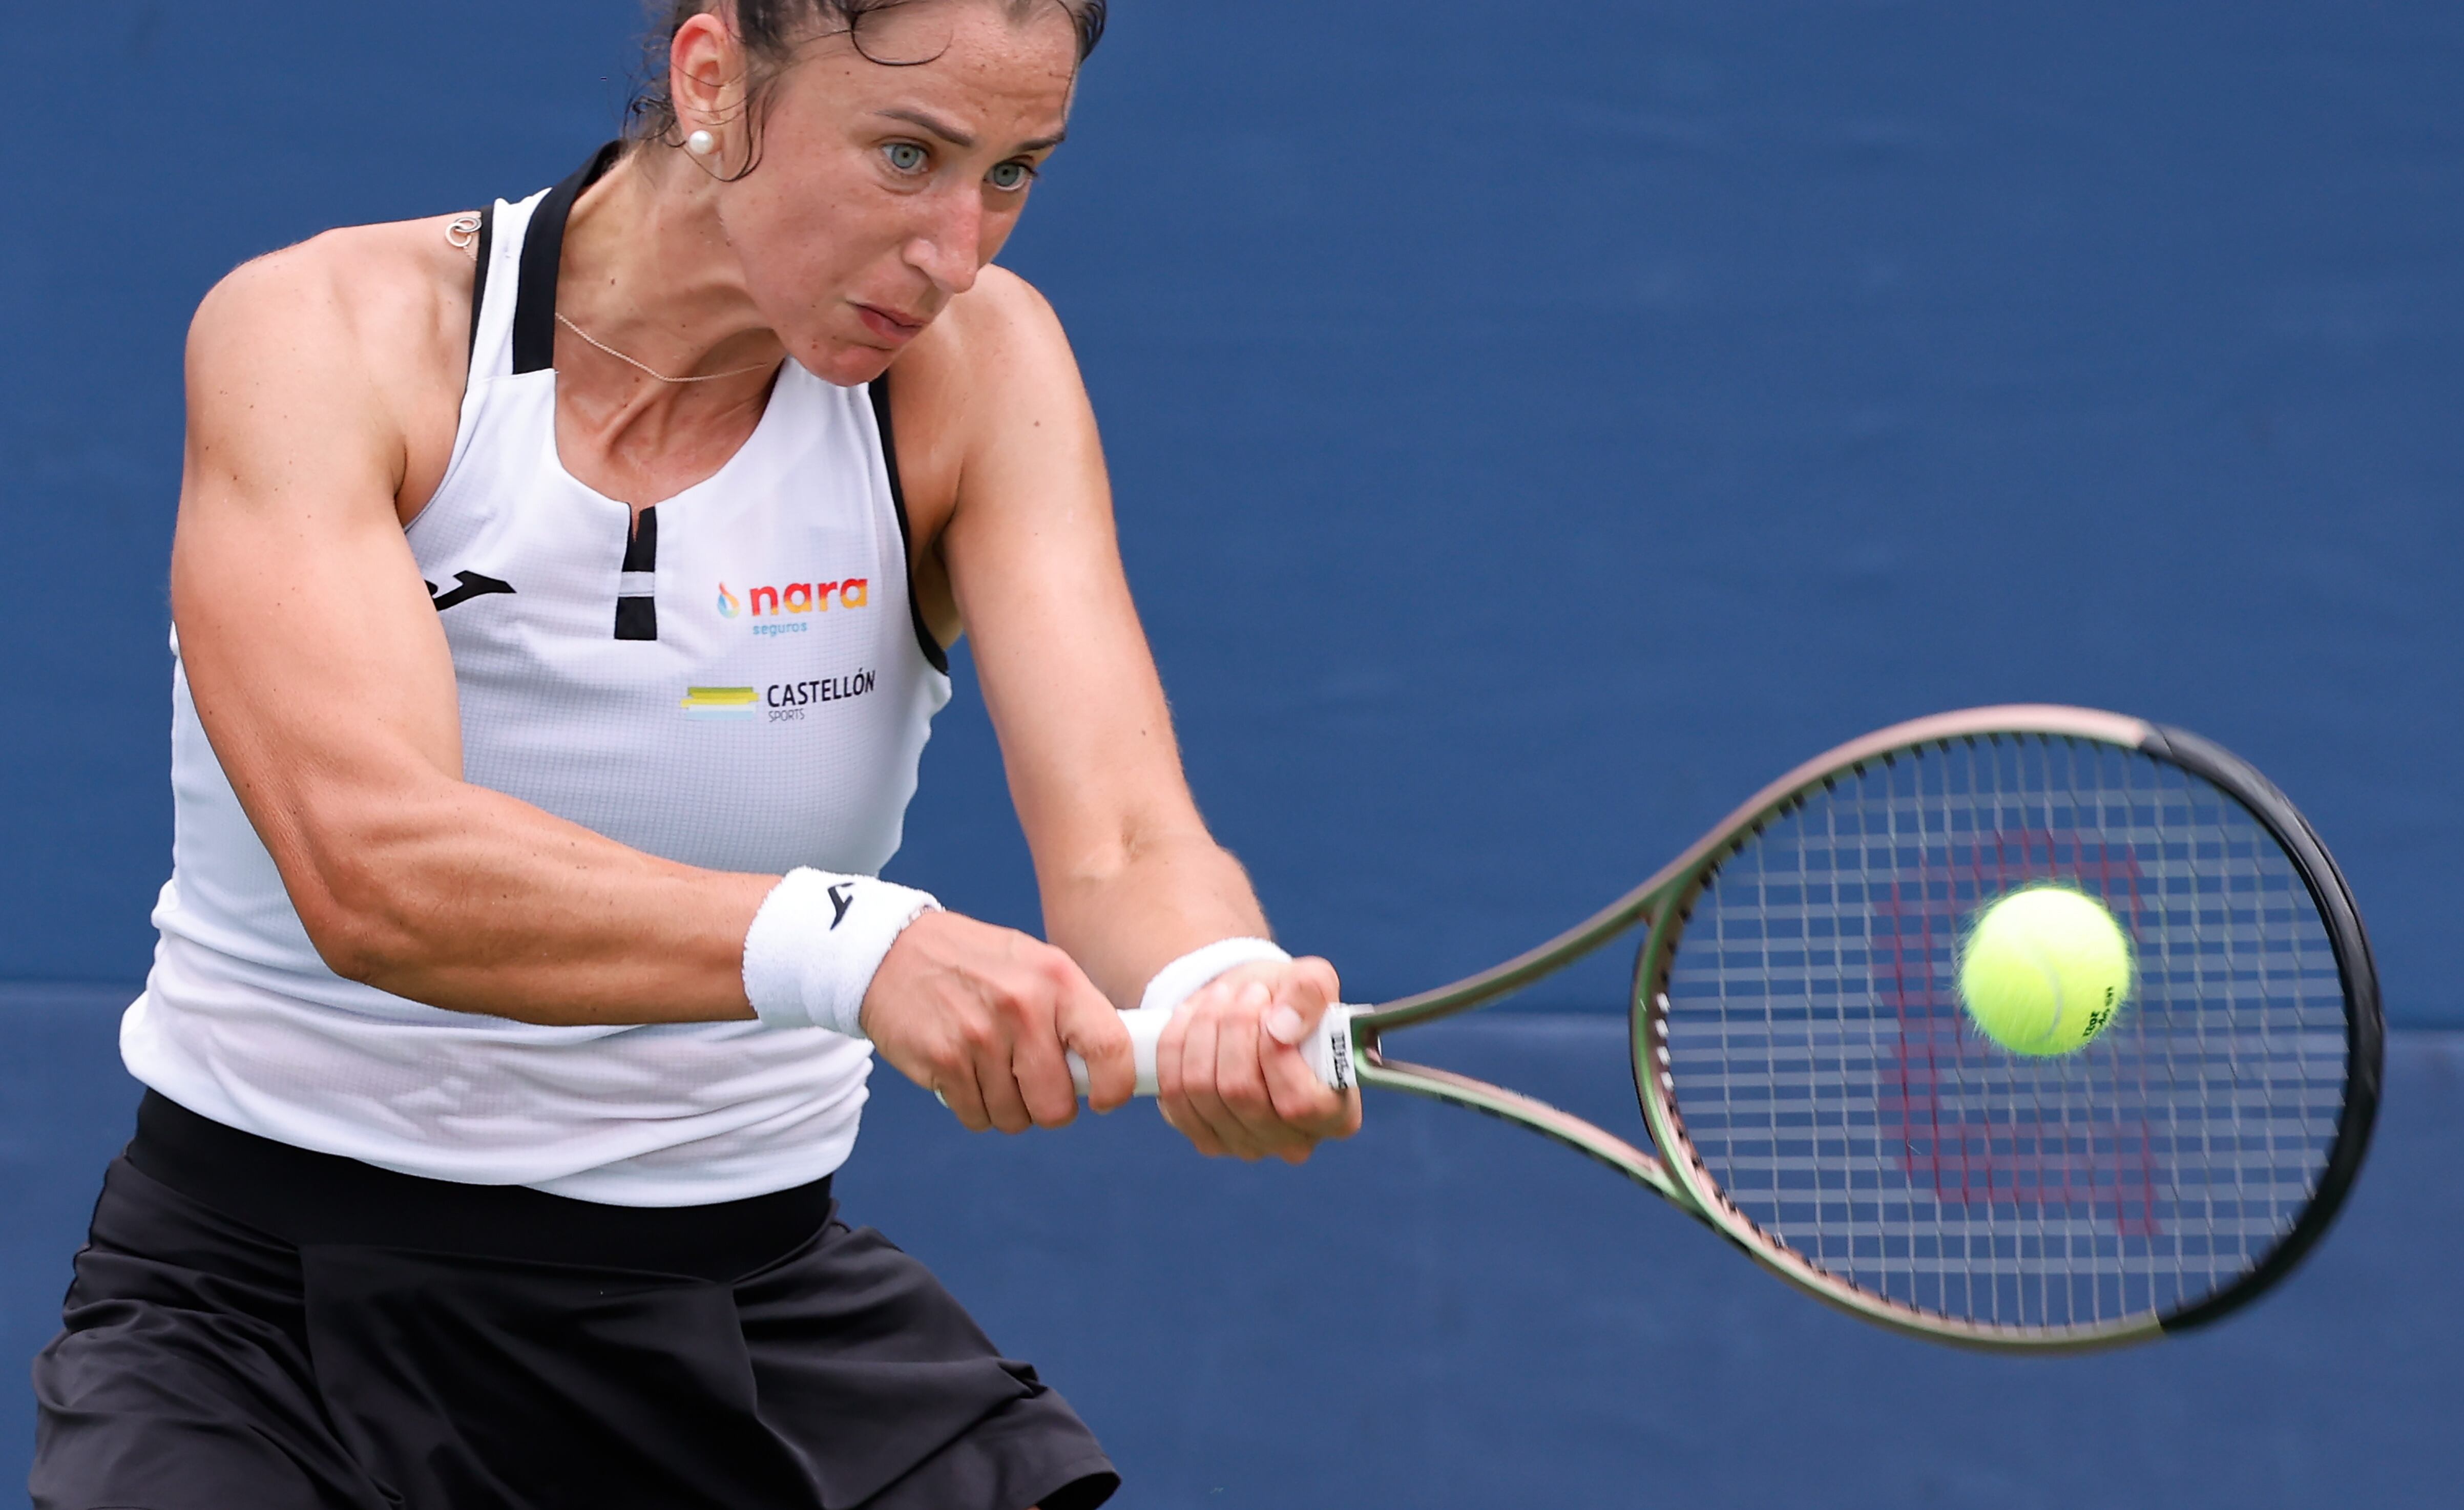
(2044, 971)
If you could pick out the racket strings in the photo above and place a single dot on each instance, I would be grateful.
(1834, 1088)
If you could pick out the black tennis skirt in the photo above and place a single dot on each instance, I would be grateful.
(255, 1325)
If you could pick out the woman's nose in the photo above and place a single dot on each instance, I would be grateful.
(947, 248)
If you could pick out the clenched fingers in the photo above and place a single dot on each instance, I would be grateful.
(1233, 1079)
(1091, 1029)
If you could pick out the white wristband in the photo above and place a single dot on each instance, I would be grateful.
(813, 948)
(1181, 980)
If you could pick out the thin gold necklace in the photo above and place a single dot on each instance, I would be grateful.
(707, 376)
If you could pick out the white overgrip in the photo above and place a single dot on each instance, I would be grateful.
(1326, 1051)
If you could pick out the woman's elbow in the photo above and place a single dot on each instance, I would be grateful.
(361, 923)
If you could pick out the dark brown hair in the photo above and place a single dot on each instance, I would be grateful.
(770, 31)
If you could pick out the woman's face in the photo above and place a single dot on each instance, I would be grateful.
(881, 191)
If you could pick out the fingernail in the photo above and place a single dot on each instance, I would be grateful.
(1283, 1025)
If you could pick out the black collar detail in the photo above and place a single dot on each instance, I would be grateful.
(542, 251)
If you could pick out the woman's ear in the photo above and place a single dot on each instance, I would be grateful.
(706, 74)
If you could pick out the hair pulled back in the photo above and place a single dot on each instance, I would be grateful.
(770, 31)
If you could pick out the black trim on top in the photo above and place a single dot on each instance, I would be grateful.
(637, 618)
(642, 551)
(2364, 1034)
(542, 251)
(487, 245)
(924, 640)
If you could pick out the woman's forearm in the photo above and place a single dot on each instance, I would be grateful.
(470, 899)
(1125, 915)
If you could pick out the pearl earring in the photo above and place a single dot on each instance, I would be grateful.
(701, 144)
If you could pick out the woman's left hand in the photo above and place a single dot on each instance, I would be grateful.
(1230, 1077)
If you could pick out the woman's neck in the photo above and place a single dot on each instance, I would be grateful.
(647, 272)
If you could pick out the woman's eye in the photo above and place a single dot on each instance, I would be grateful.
(906, 157)
(1010, 177)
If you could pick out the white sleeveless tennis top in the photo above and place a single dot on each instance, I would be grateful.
(743, 683)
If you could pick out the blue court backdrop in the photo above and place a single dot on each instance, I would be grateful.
(1533, 427)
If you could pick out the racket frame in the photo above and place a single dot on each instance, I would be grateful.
(1661, 905)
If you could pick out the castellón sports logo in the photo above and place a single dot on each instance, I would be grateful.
(784, 604)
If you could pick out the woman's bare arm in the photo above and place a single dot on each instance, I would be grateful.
(1130, 877)
(324, 681)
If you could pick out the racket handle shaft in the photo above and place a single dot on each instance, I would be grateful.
(1327, 1050)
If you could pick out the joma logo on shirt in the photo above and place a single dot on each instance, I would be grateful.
(856, 592)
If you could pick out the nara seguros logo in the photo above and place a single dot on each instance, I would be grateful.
(795, 597)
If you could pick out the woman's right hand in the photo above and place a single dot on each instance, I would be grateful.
(981, 1015)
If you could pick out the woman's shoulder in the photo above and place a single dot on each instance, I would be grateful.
(1001, 314)
(998, 336)
(396, 297)
(358, 337)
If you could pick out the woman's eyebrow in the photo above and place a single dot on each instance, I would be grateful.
(956, 136)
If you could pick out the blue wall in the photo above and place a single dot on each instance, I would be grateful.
(1531, 435)
(1534, 427)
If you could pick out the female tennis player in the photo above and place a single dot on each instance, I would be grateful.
(560, 597)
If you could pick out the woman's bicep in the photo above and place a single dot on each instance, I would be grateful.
(315, 658)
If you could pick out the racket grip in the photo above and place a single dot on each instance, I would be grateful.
(1326, 1051)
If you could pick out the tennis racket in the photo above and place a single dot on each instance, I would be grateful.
(1815, 1093)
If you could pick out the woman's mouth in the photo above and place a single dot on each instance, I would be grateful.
(897, 329)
